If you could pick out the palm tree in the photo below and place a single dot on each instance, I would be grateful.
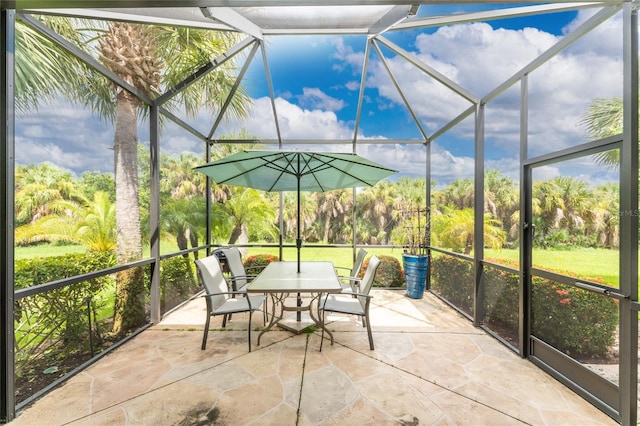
(149, 58)
(604, 118)
(332, 206)
(548, 205)
(97, 227)
(247, 209)
(376, 204)
(577, 200)
(90, 223)
(604, 219)
(454, 229)
(178, 178)
(308, 214)
(458, 193)
(501, 196)
(38, 188)
(183, 219)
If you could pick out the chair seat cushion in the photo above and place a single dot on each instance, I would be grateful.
(344, 304)
(239, 304)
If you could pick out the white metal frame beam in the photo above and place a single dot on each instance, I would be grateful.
(233, 19)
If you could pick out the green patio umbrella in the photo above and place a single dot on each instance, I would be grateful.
(295, 171)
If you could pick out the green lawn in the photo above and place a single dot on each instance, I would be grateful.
(339, 256)
(44, 250)
(584, 262)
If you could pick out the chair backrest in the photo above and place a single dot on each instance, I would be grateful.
(357, 265)
(236, 267)
(212, 280)
(369, 275)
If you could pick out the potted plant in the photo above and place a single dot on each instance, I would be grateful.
(415, 259)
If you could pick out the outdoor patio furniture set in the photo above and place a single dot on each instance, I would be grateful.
(327, 292)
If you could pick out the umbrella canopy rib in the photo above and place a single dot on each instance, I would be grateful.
(295, 171)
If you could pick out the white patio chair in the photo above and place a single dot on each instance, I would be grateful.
(239, 279)
(351, 282)
(218, 296)
(356, 304)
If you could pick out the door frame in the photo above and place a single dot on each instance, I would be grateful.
(600, 392)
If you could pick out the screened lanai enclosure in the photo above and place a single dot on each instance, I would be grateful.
(514, 128)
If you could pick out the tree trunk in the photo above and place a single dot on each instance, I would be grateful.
(240, 235)
(129, 312)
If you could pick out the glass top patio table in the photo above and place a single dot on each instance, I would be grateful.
(279, 279)
(282, 277)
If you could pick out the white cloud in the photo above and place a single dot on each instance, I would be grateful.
(347, 56)
(480, 58)
(353, 85)
(475, 56)
(37, 153)
(446, 167)
(295, 122)
(314, 98)
(65, 135)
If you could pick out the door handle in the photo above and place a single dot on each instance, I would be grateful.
(532, 227)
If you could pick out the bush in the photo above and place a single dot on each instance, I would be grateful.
(389, 273)
(454, 280)
(502, 302)
(578, 322)
(177, 281)
(253, 265)
(56, 322)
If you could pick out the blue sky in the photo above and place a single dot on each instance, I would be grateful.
(316, 82)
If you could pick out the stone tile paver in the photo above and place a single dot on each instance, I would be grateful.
(430, 367)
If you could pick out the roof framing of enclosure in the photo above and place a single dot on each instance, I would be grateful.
(259, 19)
(371, 18)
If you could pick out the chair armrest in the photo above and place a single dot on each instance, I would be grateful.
(224, 292)
(367, 296)
(345, 277)
(324, 299)
(238, 277)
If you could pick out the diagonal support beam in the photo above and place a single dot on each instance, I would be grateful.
(230, 17)
(234, 89)
(205, 70)
(82, 55)
(400, 91)
(450, 84)
(395, 15)
(272, 96)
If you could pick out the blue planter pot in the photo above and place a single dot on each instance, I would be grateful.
(415, 274)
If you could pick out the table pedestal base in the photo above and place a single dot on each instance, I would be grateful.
(291, 323)
(279, 307)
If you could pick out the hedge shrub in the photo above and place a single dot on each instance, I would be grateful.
(177, 281)
(389, 273)
(454, 280)
(58, 316)
(501, 302)
(578, 322)
(254, 264)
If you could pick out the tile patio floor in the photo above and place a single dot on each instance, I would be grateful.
(430, 367)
